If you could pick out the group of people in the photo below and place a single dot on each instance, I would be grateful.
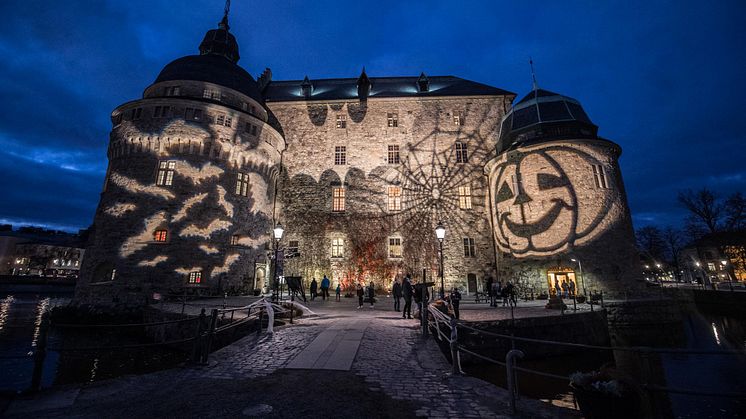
(565, 289)
(325, 283)
(496, 290)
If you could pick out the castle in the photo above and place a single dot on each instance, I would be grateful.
(359, 172)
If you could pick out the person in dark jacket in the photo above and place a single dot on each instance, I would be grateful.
(455, 299)
(325, 288)
(407, 292)
(360, 295)
(372, 294)
(314, 288)
(396, 291)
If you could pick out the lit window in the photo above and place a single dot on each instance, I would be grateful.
(192, 114)
(242, 184)
(469, 249)
(292, 249)
(113, 274)
(393, 119)
(340, 155)
(462, 155)
(338, 248)
(393, 157)
(464, 197)
(136, 113)
(166, 171)
(341, 121)
(160, 235)
(338, 199)
(711, 266)
(235, 239)
(195, 277)
(599, 176)
(173, 91)
(161, 111)
(394, 202)
(211, 94)
(458, 117)
(395, 249)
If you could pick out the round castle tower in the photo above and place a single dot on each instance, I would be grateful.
(558, 202)
(188, 198)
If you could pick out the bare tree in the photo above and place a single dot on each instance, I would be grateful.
(672, 238)
(735, 212)
(650, 240)
(706, 210)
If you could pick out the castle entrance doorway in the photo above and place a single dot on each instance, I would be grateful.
(561, 280)
(471, 283)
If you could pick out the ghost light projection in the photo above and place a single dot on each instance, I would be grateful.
(547, 201)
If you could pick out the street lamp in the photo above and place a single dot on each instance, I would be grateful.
(440, 233)
(582, 277)
(278, 231)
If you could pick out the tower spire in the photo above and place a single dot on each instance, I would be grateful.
(535, 85)
(224, 23)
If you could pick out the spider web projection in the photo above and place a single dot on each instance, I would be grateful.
(547, 200)
(429, 177)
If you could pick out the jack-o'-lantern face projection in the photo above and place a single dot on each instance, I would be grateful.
(546, 200)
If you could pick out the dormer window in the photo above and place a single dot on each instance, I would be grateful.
(306, 88)
(172, 91)
(423, 83)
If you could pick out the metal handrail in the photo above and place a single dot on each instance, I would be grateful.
(93, 326)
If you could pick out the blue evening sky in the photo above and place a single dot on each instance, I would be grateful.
(664, 79)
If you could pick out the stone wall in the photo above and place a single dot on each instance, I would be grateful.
(428, 174)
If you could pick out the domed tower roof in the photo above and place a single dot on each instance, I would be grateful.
(215, 64)
(544, 116)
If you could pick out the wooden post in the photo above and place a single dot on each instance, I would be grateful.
(210, 334)
(197, 345)
(40, 353)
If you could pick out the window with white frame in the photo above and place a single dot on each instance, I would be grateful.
(393, 155)
(242, 184)
(392, 119)
(211, 94)
(172, 91)
(136, 113)
(515, 180)
(338, 247)
(458, 117)
(223, 119)
(166, 171)
(395, 247)
(599, 176)
(464, 197)
(469, 247)
(193, 114)
(462, 155)
(338, 199)
(195, 277)
(340, 155)
(341, 121)
(394, 198)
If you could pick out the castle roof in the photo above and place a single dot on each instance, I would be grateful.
(380, 87)
(544, 116)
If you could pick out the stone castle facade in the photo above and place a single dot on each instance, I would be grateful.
(359, 172)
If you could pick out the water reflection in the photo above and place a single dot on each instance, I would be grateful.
(4, 309)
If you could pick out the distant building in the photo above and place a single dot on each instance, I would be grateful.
(39, 252)
(359, 171)
(715, 258)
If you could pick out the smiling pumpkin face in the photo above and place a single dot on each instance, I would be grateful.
(544, 207)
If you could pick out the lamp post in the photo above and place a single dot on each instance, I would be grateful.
(277, 231)
(724, 263)
(582, 277)
(440, 233)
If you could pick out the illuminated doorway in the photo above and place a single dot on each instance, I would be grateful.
(558, 276)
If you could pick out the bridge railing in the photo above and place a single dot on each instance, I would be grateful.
(451, 323)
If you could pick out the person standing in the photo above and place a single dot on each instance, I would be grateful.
(407, 293)
(338, 291)
(488, 289)
(360, 294)
(372, 294)
(557, 289)
(565, 289)
(455, 298)
(325, 288)
(314, 288)
(397, 294)
(571, 286)
(495, 292)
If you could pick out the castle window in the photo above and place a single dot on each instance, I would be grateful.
(393, 119)
(117, 119)
(516, 181)
(235, 240)
(166, 171)
(242, 184)
(340, 155)
(248, 127)
(172, 91)
(393, 157)
(458, 117)
(338, 247)
(292, 249)
(223, 119)
(136, 113)
(206, 149)
(253, 130)
(599, 176)
(395, 248)
(161, 111)
(195, 277)
(211, 94)
(341, 121)
(462, 155)
(244, 106)
(711, 266)
(464, 197)
(394, 201)
(192, 114)
(252, 110)
(338, 199)
(160, 235)
(469, 248)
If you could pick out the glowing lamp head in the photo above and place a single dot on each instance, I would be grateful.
(697, 263)
(657, 265)
(574, 260)
(278, 231)
(723, 262)
(440, 232)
